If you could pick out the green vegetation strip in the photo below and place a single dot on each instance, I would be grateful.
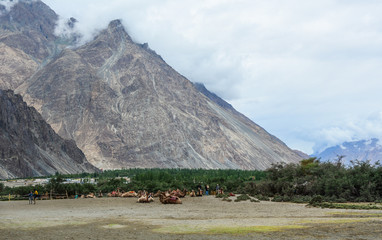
(356, 214)
(337, 221)
(34, 224)
(348, 206)
(310, 181)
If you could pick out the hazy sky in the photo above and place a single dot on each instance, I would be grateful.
(309, 72)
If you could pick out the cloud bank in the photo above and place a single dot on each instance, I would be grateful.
(307, 71)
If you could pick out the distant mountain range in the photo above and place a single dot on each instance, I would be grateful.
(121, 103)
(362, 150)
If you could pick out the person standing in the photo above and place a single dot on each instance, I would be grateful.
(30, 196)
(217, 189)
(200, 191)
(35, 195)
(207, 189)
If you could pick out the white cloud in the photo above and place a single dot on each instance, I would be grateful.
(307, 71)
(353, 130)
(8, 4)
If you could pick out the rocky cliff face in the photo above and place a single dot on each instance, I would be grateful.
(125, 107)
(27, 41)
(30, 147)
(122, 104)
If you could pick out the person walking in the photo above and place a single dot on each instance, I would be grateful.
(217, 189)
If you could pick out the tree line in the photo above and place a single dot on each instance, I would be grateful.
(150, 180)
(331, 181)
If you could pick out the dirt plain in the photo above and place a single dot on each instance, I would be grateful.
(197, 218)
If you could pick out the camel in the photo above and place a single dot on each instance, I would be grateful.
(179, 193)
(193, 194)
(146, 198)
(129, 194)
(158, 193)
(100, 194)
(45, 196)
(141, 193)
(114, 193)
(182, 194)
(91, 195)
(169, 200)
(199, 193)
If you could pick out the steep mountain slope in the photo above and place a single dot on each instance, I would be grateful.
(27, 41)
(29, 146)
(358, 150)
(125, 107)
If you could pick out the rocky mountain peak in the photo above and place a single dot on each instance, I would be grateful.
(116, 30)
(30, 15)
(116, 25)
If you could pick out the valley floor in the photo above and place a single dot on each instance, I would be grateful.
(196, 218)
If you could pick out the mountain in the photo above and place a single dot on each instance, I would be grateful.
(27, 40)
(30, 147)
(362, 150)
(125, 107)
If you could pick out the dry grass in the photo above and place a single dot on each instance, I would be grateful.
(196, 218)
(237, 230)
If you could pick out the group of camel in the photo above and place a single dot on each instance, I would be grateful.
(167, 197)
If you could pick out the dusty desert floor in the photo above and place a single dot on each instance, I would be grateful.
(196, 218)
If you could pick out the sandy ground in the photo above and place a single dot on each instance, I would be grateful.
(196, 218)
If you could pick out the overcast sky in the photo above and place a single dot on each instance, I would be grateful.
(309, 72)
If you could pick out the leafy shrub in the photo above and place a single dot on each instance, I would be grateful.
(261, 197)
(348, 206)
(301, 199)
(221, 196)
(227, 199)
(316, 200)
(243, 197)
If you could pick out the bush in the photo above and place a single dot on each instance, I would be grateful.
(316, 200)
(221, 196)
(261, 197)
(243, 197)
(284, 198)
(301, 199)
(227, 199)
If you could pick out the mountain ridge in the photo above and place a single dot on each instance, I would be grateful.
(29, 147)
(361, 150)
(126, 107)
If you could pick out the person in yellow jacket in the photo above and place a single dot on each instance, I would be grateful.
(35, 195)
